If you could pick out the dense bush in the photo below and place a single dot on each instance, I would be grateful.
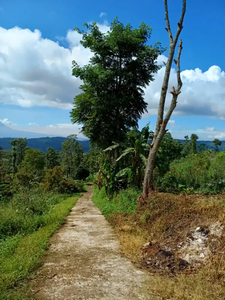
(55, 181)
(201, 172)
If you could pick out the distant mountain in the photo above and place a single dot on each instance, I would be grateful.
(44, 143)
(7, 132)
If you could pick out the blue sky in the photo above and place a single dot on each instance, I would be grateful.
(43, 104)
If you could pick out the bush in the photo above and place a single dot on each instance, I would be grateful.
(202, 172)
(123, 201)
(55, 181)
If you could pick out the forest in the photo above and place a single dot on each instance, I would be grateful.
(157, 193)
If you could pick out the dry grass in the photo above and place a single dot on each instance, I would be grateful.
(167, 219)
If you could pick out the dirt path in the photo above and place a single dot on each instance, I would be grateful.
(84, 262)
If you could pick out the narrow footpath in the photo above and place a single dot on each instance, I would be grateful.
(84, 262)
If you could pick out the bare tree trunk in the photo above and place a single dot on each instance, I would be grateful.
(161, 121)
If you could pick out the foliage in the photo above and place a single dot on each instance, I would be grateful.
(134, 156)
(18, 152)
(71, 156)
(217, 143)
(113, 97)
(31, 170)
(52, 158)
(169, 150)
(26, 237)
(54, 180)
(203, 172)
(124, 201)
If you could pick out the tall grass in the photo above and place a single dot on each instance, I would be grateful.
(124, 201)
(25, 234)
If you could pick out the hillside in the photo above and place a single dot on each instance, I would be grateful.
(44, 143)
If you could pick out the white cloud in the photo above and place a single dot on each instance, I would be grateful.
(61, 129)
(37, 72)
(102, 14)
(203, 93)
(171, 123)
(210, 129)
(33, 124)
(7, 122)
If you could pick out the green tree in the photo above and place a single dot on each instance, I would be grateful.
(18, 152)
(122, 65)
(71, 155)
(169, 151)
(31, 170)
(217, 143)
(193, 143)
(202, 147)
(52, 158)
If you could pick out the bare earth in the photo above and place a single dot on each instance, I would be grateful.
(84, 261)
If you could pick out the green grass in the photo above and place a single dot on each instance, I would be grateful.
(20, 254)
(124, 201)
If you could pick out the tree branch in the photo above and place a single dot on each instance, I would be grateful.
(180, 23)
(179, 82)
(168, 29)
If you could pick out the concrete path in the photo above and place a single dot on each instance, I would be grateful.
(84, 262)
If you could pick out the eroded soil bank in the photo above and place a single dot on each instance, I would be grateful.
(84, 261)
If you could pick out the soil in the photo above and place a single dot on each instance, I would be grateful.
(84, 261)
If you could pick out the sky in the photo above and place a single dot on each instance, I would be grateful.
(38, 44)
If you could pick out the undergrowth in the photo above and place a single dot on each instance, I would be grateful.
(25, 228)
(166, 220)
(124, 201)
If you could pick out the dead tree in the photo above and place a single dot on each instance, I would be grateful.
(162, 121)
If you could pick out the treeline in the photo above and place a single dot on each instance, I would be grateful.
(27, 168)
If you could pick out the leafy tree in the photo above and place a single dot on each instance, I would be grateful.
(217, 143)
(31, 169)
(202, 147)
(193, 144)
(92, 160)
(186, 149)
(71, 155)
(122, 65)
(162, 120)
(52, 159)
(18, 152)
(169, 151)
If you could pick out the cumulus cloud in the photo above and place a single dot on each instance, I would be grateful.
(37, 72)
(171, 123)
(33, 124)
(203, 93)
(7, 122)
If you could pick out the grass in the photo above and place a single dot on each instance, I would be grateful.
(21, 253)
(166, 220)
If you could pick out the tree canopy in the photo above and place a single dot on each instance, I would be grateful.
(121, 67)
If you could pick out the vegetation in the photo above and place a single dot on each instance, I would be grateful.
(27, 222)
(165, 220)
(120, 68)
(151, 187)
